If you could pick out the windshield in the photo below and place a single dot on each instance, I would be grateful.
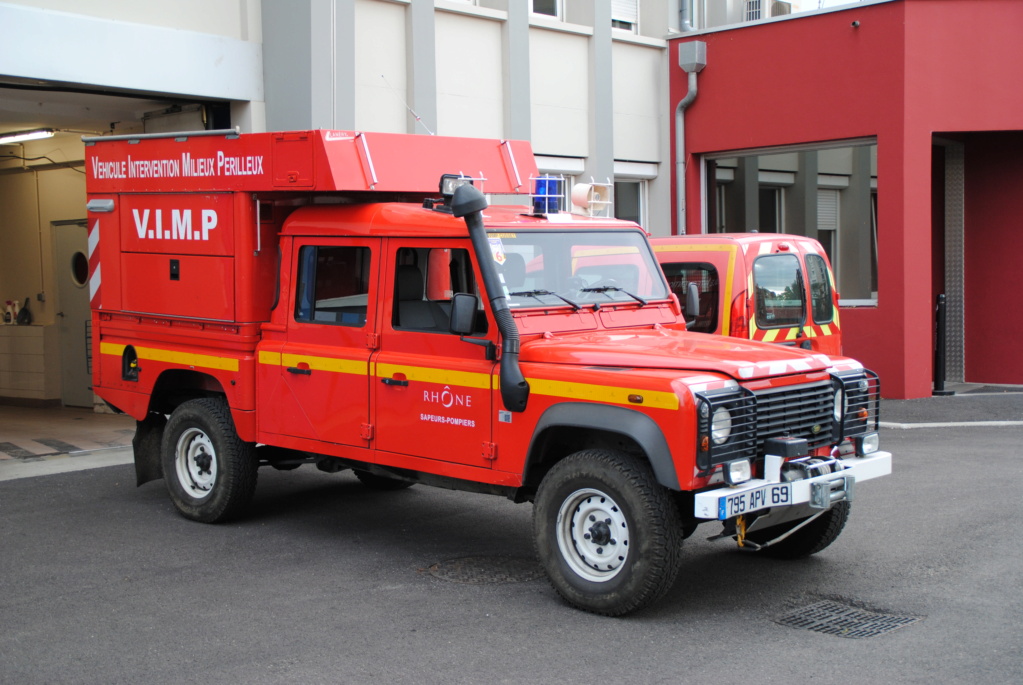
(576, 268)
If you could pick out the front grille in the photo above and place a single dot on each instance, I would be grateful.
(801, 411)
(796, 411)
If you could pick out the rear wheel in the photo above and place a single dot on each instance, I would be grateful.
(810, 539)
(608, 535)
(210, 471)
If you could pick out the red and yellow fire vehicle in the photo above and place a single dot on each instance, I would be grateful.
(350, 300)
(759, 286)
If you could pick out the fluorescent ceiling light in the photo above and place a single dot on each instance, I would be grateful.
(22, 136)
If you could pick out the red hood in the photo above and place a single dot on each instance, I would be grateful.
(669, 349)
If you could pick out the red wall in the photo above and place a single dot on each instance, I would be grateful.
(905, 70)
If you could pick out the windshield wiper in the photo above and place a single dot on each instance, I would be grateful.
(606, 288)
(537, 293)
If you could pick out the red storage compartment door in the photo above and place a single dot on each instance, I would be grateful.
(190, 286)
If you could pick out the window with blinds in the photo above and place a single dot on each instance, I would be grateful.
(625, 14)
(753, 10)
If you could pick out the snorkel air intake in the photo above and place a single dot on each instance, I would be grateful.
(468, 203)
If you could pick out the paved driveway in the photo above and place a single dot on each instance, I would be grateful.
(327, 582)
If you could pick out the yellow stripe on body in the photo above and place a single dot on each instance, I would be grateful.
(190, 359)
(358, 367)
(602, 393)
(423, 374)
(266, 357)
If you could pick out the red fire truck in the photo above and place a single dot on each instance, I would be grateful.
(759, 286)
(350, 300)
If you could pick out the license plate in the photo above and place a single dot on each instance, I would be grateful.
(764, 497)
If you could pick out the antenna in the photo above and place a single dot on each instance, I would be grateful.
(418, 118)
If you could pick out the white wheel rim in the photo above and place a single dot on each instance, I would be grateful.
(195, 461)
(593, 535)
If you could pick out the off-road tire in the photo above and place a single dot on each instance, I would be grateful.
(382, 483)
(607, 568)
(811, 539)
(210, 472)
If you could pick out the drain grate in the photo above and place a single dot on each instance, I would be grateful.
(487, 570)
(842, 620)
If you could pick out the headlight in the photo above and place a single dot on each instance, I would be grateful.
(839, 404)
(721, 425)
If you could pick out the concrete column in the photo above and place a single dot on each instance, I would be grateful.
(600, 163)
(421, 39)
(517, 102)
(801, 200)
(854, 228)
(744, 204)
(309, 63)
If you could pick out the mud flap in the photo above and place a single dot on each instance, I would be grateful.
(146, 443)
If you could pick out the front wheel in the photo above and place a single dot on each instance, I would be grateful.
(608, 535)
(810, 539)
(210, 471)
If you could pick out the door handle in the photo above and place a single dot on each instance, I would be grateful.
(302, 372)
(394, 381)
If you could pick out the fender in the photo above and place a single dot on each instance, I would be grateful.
(629, 422)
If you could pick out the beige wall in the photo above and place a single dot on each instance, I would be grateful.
(470, 84)
(238, 19)
(380, 74)
(559, 91)
(638, 108)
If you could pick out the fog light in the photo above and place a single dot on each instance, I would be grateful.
(867, 444)
(738, 471)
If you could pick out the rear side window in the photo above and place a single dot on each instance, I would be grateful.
(778, 284)
(705, 276)
(333, 285)
(821, 302)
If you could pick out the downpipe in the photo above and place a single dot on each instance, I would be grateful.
(468, 203)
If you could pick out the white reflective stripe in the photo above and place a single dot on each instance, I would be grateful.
(94, 282)
(94, 238)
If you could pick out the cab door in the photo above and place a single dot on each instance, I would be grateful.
(433, 391)
(324, 360)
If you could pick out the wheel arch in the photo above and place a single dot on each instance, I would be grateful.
(175, 386)
(571, 426)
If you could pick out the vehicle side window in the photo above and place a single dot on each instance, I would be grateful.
(425, 280)
(705, 276)
(778, 285)
(333, 285)
(821, 301)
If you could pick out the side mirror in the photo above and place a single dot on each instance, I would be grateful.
(464, 308)
(692, 304)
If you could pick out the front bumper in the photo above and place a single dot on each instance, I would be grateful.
(818, 492)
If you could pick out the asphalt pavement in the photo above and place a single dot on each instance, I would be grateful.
(325, 581)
